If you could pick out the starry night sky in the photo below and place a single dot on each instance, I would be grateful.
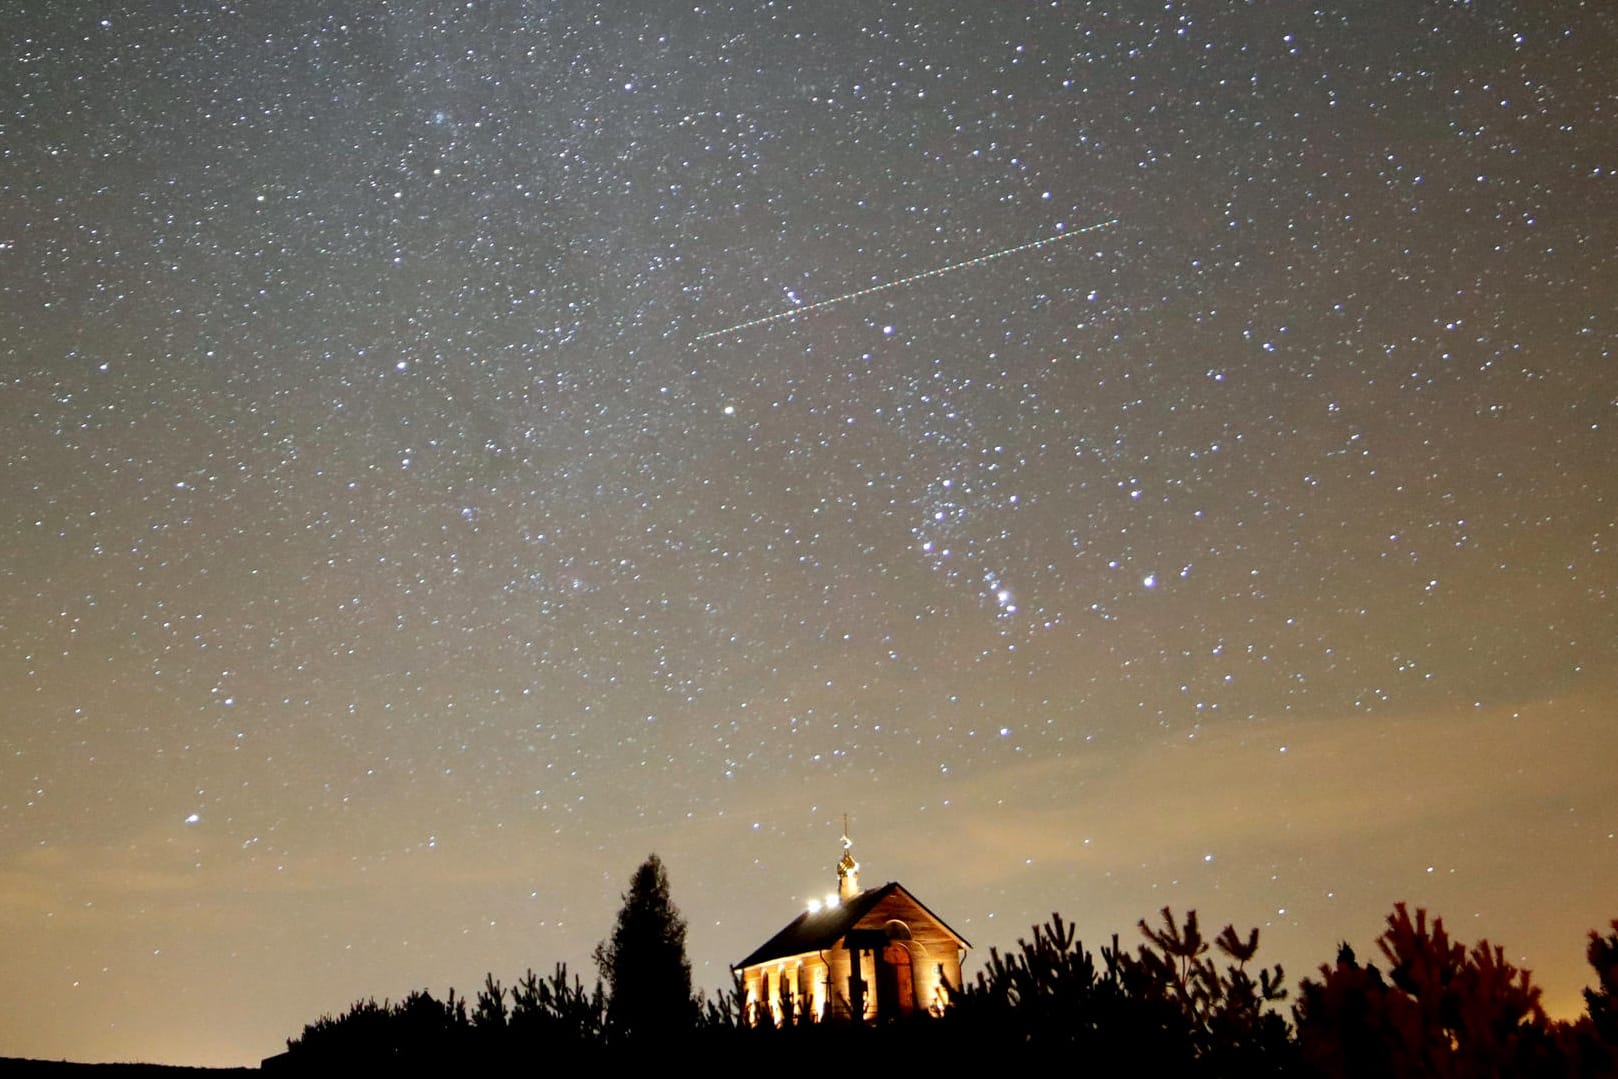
(387, 567)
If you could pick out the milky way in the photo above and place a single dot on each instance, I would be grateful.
(393, 556)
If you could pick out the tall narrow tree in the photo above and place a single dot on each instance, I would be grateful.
(644, 964)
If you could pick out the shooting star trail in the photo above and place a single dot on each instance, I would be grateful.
(821, 305)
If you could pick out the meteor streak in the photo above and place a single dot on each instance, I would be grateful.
(820, 305)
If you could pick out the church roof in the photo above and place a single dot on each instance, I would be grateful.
(818, 931)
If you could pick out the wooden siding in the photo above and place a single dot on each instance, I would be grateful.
(817, 983)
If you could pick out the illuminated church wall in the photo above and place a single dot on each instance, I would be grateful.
(906, 955)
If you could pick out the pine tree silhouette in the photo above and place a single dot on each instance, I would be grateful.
(644, 963)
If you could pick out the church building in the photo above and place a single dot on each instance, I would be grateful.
(874, 955)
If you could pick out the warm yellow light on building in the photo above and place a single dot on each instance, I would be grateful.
(817, 992)
(856, 955)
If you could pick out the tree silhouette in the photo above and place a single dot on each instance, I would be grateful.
(1590, 1044)
(1180, 1004)
(1442, 1010)
(489, 1013)
(1602, 1001)
(1167, 1009)
(1225, 1015)
(555, 1011)
(1047, 995)
(644, 964)
(420, 1028)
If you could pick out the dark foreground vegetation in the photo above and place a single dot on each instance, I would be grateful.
(19, 1068)
(1178, 1004)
